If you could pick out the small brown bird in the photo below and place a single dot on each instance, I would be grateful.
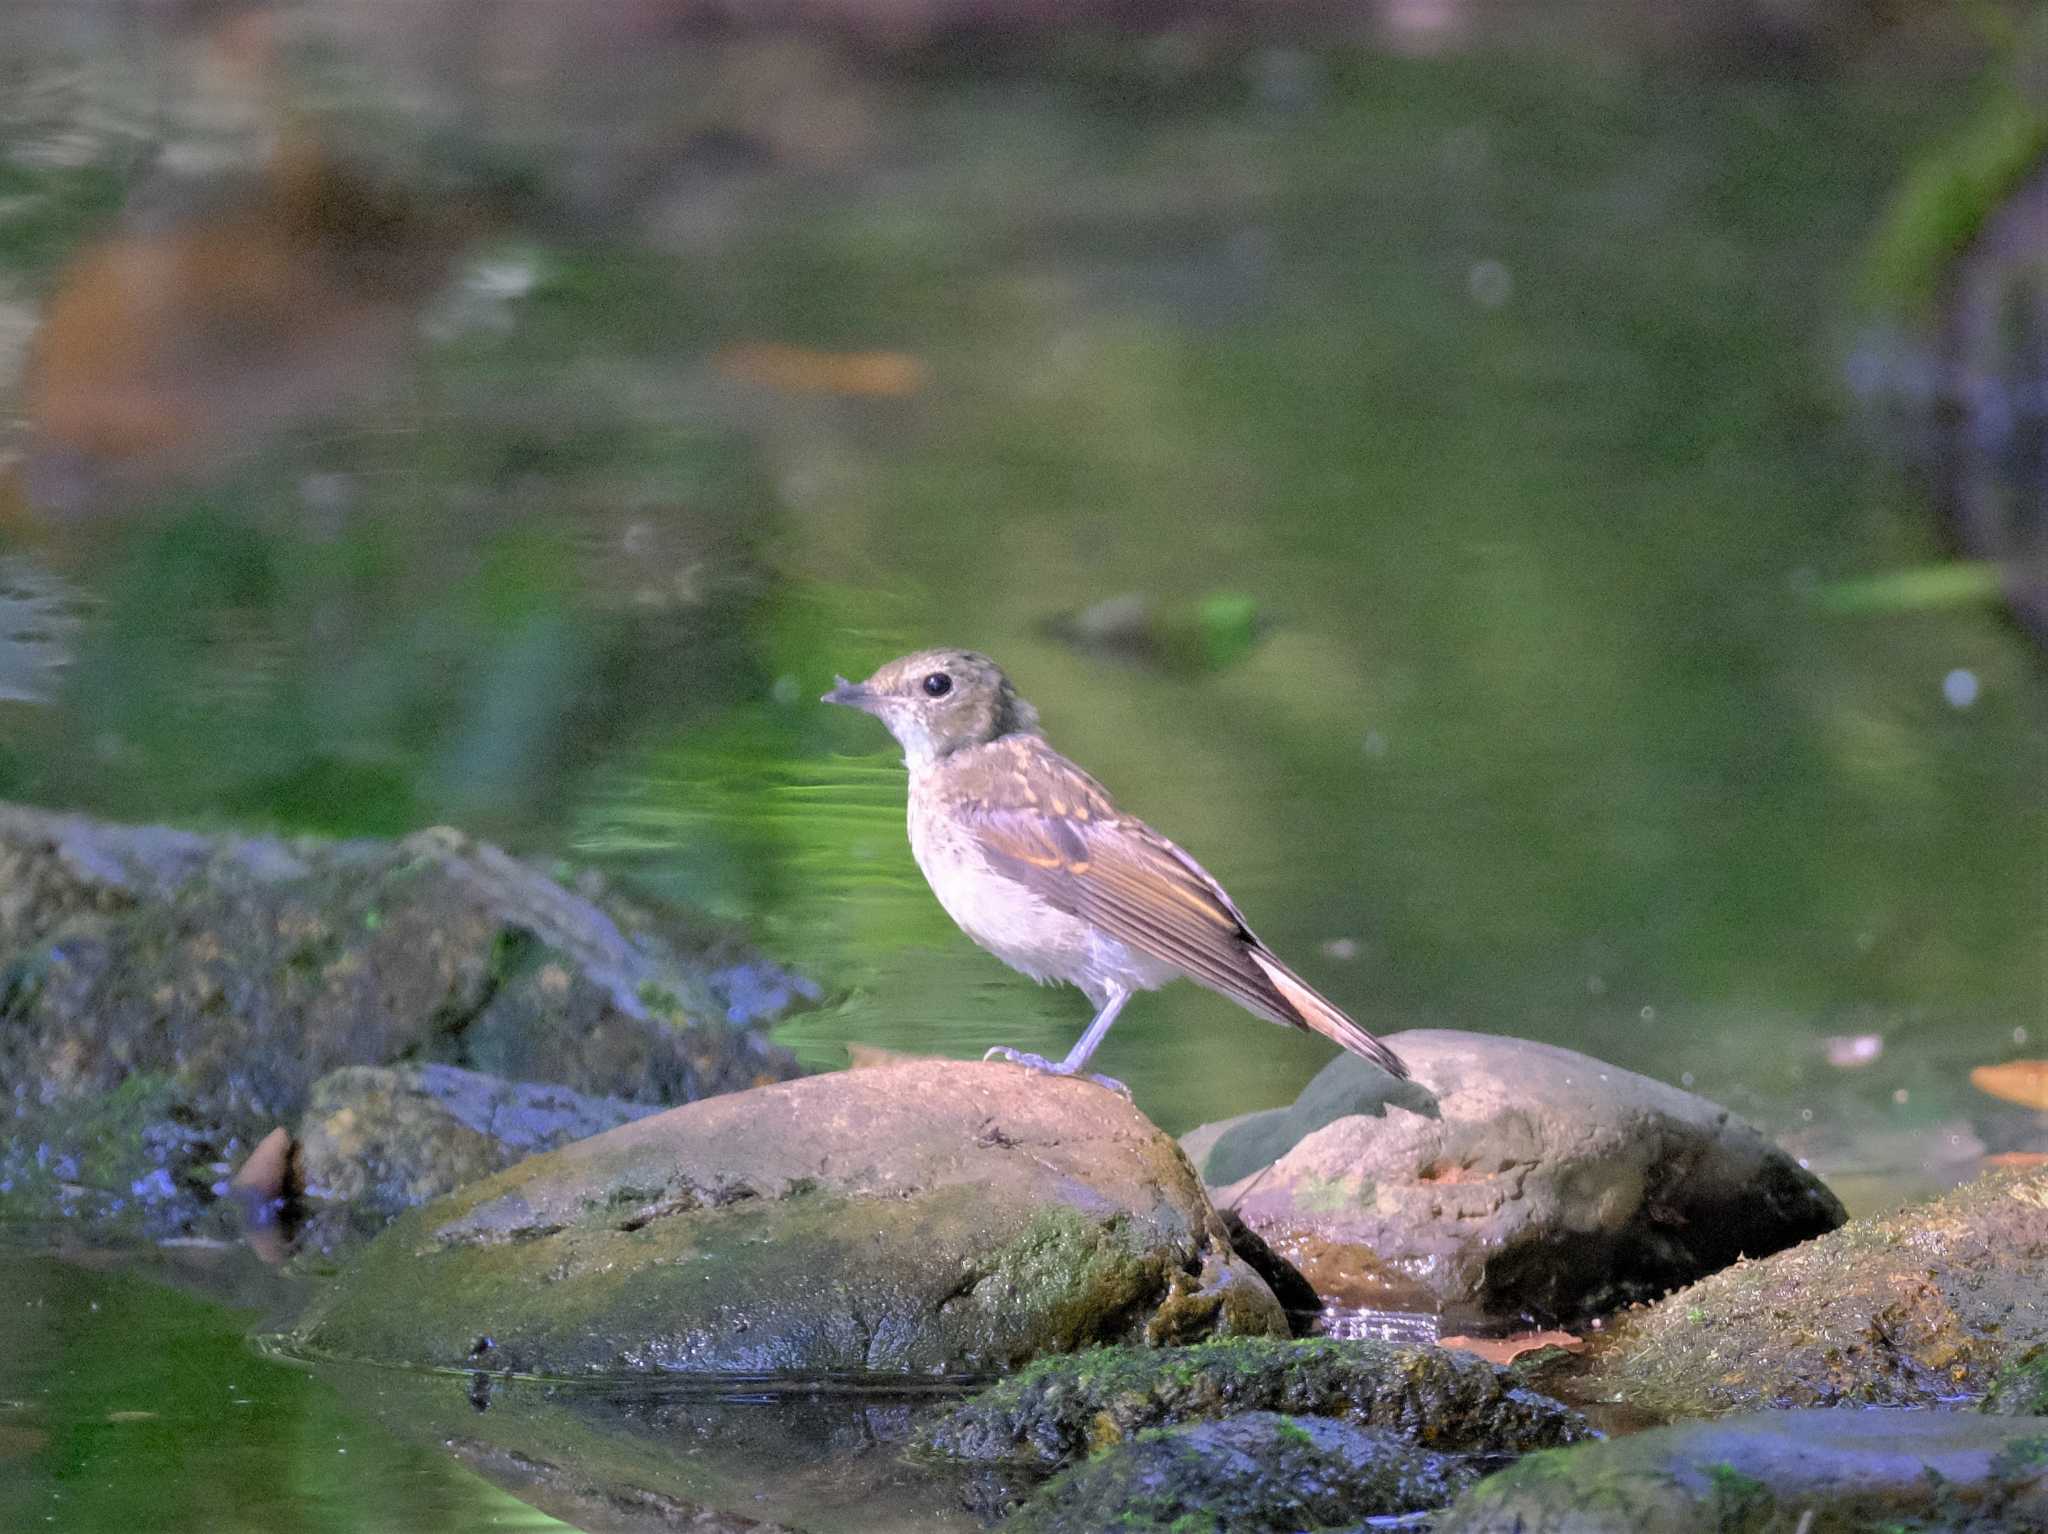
(1033, 860)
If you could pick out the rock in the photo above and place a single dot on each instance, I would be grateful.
(166, 999)
(926, 1218)
(2020, 1389)
(1297, 1296)
(380, 1139)
(1510, 1181)
(1917, 1306)
(1063, 1408)
(1830, 1472)
(1262, 1473)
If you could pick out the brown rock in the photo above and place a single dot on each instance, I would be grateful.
(1508, 1179)
(1915, 1307)
(918, 1219)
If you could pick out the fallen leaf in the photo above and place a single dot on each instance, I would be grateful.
(1505, 1350)
(20, 1442)
(800, 370)
(2018, 1158)
(867, 1057)
(261, 1179)
(2017, 1081)
(131, 1416)
(260, 1186)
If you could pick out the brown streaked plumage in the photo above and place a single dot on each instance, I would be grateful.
(1033, 859)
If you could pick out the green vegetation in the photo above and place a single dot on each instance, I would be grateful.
(1952, 188)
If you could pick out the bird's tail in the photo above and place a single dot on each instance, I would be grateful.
(1320, 1016)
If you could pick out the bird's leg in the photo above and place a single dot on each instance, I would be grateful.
(1077, 1057)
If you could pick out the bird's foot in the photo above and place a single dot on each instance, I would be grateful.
(1032, 1062)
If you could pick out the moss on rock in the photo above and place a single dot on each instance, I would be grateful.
(1917, 1306)
(1063, 1408)
(1820, 1471)
(1260, 1473)
(925, 1219)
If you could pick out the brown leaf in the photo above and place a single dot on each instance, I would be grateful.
(261, 1179)
(1505, 1350)
(2017, 1081)
(867, 1057)
(19, 1442)
(800, 370)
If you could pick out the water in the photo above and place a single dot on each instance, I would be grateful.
(138, 1401)
(1470, 424)
(127, 1403)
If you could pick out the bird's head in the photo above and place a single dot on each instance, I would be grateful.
(937, 701)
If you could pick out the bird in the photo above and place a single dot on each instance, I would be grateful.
(1034, 861)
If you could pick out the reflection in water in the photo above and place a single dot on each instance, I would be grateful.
(128, 1403)
(640, 1455)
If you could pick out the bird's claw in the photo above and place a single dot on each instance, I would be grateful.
(1019, 1057)
(1033, 1062)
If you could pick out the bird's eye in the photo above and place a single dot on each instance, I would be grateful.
(938, 684)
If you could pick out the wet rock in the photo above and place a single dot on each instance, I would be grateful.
(166, 999)
(1297, 1296)
(1921, 1305)
(1510, 1180)
(919, 1219)
(1063, 1408)
(1259, 1472)
(1827, 1472)
(379, 1140)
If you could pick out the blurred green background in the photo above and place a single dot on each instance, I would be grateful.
(1432, 461)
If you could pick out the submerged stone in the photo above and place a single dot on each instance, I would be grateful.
(1509, 1180)
(1261, 1473)
(1061, 1409)
(1824, 1472)
(928, 1218)
(1918, 1306)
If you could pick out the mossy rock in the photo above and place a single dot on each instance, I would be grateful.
(926, 1219)
(1261, 1473)
(1912, 1308)
(1064, 1408)
(227, 974)
(2020, 1389)
(1815, 1471)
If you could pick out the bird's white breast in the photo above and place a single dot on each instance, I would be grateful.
(1016, 925)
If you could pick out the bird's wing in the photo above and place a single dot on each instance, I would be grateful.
(1048, 825)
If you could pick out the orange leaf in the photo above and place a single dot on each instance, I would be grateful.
(867, 1057)
(2018, 1158)
(1505, 1350)
(2017, 1081)
(800, 370)
(263, 1176)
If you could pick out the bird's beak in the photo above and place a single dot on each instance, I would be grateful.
(852, 695)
